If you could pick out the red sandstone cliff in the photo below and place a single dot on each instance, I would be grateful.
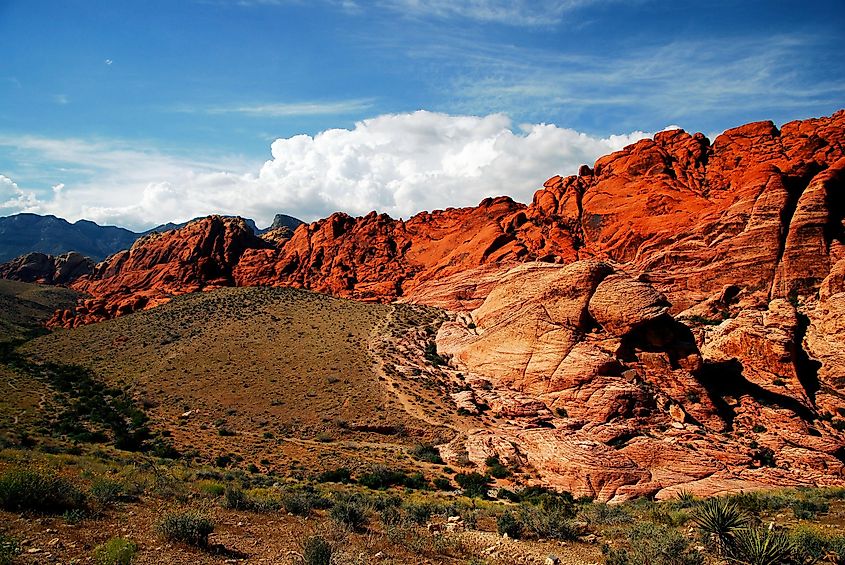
(695, 335)
(759, 207)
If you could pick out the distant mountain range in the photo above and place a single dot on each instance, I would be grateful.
(27, 233)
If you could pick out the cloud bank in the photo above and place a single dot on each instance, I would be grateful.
(400, 164)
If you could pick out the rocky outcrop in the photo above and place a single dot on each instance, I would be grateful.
(200, 256)
(760, 208)
(47, 269)
(604, 394)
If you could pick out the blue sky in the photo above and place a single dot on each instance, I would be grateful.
(137, 113)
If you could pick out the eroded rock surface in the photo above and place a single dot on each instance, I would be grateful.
(47, 269)
(670, 317)
(607, 395)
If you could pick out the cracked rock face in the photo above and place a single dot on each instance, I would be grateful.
(634, 408)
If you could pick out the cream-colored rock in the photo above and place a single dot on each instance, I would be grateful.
(621, 303)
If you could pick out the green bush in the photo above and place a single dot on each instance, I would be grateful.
(211, 488)
(297, 502)
(508, 524)
(38, 491)
(807, 508)
(757, 501)
(106, 491)
(475, 485)
(496, 469)
(234, 499)
(720, 519)
(189, 527)
(442, 483)
(607, 515)
(382, 477)
(317, 550)
(8, 550)
(341, 475)
(760, 546)
(116, 551)
(551, 519)
(812, 544)
(420, 512)
(351, 511)
(652, 544)
(427, 453)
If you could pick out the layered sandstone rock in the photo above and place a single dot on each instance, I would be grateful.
(760, 208)
(606, 395)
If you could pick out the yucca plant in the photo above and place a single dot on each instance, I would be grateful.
(685, 498)
(721, 520)
(760, 546)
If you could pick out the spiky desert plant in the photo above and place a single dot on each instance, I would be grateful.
(685, 497)
(760, 546)
(721, 520)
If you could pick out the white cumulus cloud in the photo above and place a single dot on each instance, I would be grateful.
(400, 164)
(14, 200)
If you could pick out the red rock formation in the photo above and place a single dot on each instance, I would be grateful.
(605, 395)
(742, 239)
(760, 208)
(200, 256)
(47, 269)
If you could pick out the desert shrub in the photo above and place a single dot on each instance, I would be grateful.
(341, 475)
(8, 550)
(812, 544)
(720, 519)
(351, 511)
(475, 485)
(386, 501)
(297, 502)
(432, 356)
(764, 456)
(116, 551)
(381, 477)
(38, 491)
(496, 469)
(427, 453)
(442, 483)
(390, 516)
(664, 514)
(685, 499)
(757, 501)
(606, 515)
(760, 546)
(317, 550)
(416, 481)
(211, 488)
(106, 491)
(807, 508)
(189, 527)
(550, 520)
(234, 499)
(537, 494)
(420, 512)
(505, 494)
(652, 544)
(508, 524)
